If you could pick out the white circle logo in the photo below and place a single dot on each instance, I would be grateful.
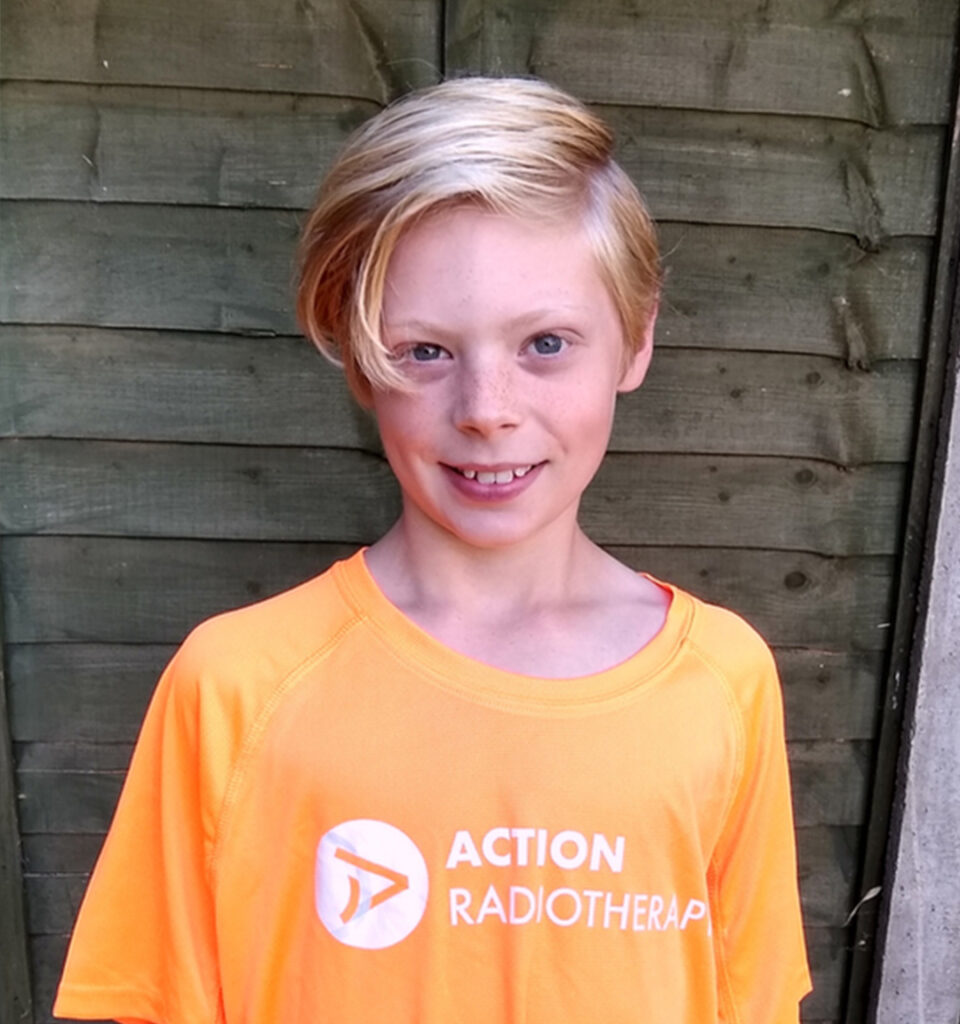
(370, 884)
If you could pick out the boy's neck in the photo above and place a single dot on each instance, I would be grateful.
(556, 606)
(420, 565)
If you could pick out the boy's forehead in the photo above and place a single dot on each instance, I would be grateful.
(458, 258)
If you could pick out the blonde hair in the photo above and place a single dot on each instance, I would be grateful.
(515, 146)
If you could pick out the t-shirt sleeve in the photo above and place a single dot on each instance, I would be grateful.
(761, 953)
(144, 947)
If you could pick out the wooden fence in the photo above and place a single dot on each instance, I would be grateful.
(170, 448)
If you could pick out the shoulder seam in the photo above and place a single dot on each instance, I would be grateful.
(715, 909)
(256, 731)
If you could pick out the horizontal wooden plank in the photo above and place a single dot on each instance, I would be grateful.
(74, 755)
(241, 493)
(56, 853)
(15, 995)
(377, 50)
(82, 693)
(794, 599)
(888, 68)
(828, 780)
(731, 501)
(96, 487)
(47, 953)
(796, 291)
(97, 693)
(206, 269)
(162, 145)
(827, 953)
(123, 590)
(838, 62)
(156, 386)
(240, 149)
(827, 857)
(147, 266)
(133, 591)
(151, 386)
(67, 801)
(802, 406)
(53, 902)
(783, 172)
(831, 694)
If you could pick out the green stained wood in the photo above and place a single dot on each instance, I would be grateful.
(51, 899)
(68, 801)
(133, 385)
(756, 289)
(782, 171)
(53, 902)
(792, 291)
(828, 781)
(47, 953)
(827, 868)
(58, 853)
(791, 151)
(769, 404)
(836, 63)
(225, 492)
(80, 693)
(376, 49)
(827, 857)
(168, 145)
(729, 500)
(147, 266)
(126, 590)
(76, 756)
(879, 63)
(15, 995)
(873, 978)
(126, 488)
(826, 948)
(830, 693)
(227, 149)
(827, 951)
(795, 599)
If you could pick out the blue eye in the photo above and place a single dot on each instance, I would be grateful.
(548, 344)
(425, 353)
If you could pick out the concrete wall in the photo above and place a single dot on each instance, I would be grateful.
(920, 969)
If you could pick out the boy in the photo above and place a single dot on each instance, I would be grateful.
(481, 771)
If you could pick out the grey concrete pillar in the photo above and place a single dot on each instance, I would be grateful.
(919, 970)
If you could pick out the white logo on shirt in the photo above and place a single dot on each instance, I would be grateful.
(370, 883)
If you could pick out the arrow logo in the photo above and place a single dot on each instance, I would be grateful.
(359, 899)
(398, 883)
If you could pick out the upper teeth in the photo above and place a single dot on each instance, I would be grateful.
(501, 476)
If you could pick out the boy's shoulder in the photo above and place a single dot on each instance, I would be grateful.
(736, 653)
(256, 646)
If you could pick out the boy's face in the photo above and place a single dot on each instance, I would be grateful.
(514, 350)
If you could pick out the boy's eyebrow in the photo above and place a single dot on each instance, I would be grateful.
(545, 313)
(418, 327)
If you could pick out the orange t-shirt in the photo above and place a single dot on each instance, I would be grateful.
(332, 817)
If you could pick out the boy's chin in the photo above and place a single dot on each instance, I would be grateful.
(491, 534)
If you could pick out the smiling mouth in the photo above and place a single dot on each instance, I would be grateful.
(489, 476)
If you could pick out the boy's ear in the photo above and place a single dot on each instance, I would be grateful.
(639, 362)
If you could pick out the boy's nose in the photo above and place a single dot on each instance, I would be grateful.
(487, 399)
